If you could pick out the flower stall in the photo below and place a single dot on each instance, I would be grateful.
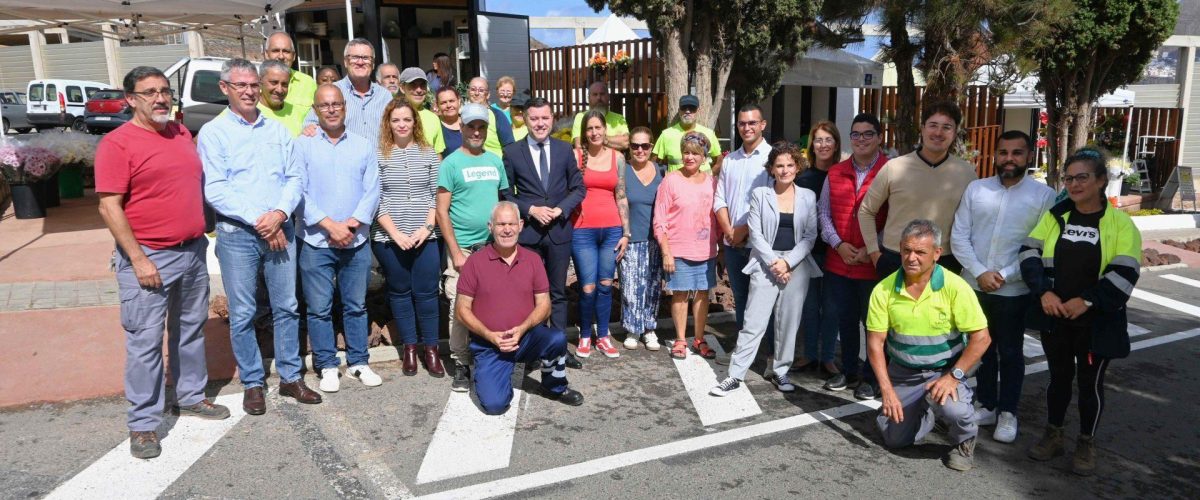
(42, 168)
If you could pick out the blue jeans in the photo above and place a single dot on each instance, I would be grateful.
(412, 282)
(595, 255)
(851, 296)
(739, 283)
(242, 254)
(1006, 325)
(819, 322)
(540, 346)
(352, 269)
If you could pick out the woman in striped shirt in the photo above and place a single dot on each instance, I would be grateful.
(404, 237)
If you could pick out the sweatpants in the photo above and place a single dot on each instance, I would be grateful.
(766, 298)
(1067, 352)
(920, 411)
(494, 369)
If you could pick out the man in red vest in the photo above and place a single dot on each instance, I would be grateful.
(849, 273)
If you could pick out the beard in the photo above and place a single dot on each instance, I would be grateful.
(687, 120)
(1015, 173)
(161, 119)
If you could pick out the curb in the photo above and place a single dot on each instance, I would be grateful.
(1166, 267)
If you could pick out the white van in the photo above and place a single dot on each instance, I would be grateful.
(59, 103)
(196, 83)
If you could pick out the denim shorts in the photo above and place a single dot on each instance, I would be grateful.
(692, 275)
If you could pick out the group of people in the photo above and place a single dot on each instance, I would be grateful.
(477, 201)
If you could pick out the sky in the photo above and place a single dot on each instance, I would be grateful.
(542, 8)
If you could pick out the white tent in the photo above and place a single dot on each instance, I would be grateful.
(825, 67)
(613, 30)
(181, 15)
(1024, 95)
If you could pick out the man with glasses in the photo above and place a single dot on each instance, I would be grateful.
(365, 99)
(388, 75)
(924, 184)
(301, 87)
(254, 186)
(667, 147)
(273, 102)
(743, 171)
(617, 128)
(849, 275)
(992, 221)
(149, 180)
(341, 194)
(415, 88)
(499, 134)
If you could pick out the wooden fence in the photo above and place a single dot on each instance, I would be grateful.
(561, 75)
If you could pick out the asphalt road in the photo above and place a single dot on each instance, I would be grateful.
(638, 435)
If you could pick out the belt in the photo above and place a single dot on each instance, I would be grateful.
(184, 243)
(476, 247)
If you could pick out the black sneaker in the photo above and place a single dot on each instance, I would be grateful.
(726, 386)
(781, 382)
(836, 383)
(570, 397)
(573, 362)
(144, 444)
(864, 391)
(462, 378)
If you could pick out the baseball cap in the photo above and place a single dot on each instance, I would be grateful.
(412, 74)
(687, 100)
(520, 100)
(471, 112)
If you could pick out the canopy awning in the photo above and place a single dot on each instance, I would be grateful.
(825, 67)
(178, 15)
(613, 30)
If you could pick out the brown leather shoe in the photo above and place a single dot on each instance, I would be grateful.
(300, 392)
(410, 359)
(433, 362)
(253, 401)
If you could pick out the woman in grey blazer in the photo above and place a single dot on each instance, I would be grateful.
(783, 228)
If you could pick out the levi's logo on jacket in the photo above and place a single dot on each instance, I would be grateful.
(1081, 234)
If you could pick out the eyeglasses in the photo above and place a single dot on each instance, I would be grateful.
(1083, 177)
(868, 135)
(361, 59)
(330, 106)
(824, 140)
(751, 123)
(478, 89)
(242, 86)
(645, 146)
(151, 94)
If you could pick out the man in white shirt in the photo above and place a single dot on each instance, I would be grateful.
(993, 218)
(744, 171)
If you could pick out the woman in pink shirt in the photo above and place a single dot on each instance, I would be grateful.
(686, 230)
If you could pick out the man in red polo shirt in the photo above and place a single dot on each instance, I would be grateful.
(149, 179)
(503, 300)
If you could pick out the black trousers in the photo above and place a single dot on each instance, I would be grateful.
(557, 258)
(1068, 356)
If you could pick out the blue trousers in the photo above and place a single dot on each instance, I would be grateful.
(242, 254)
(819, 321)
(412, 282)
(594, 251)
(1005, 357)
(494, 369)
(351, 267)
(739, 282)
(851, 296)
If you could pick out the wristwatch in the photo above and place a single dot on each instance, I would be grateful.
(1087, 303)
(958, 374)
(429, 227)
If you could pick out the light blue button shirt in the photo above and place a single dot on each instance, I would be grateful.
(247, 167)
(740, 174)
(364, 113)
(341, 181)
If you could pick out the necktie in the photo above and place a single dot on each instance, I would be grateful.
(543, 165)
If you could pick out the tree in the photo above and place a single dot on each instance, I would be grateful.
(704, 42)
(1104, 45)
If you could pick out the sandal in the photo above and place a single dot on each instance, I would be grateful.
(679, 349)
(701, 348)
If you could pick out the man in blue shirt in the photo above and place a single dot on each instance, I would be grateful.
(341, 193)
(251, 182)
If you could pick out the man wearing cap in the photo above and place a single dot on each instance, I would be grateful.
(388, 75)
(301, 87)
(500, 133)
(924, 314)
(470, 181)
(415, 87)
(617, 127)
(365, 99)
(667, 147)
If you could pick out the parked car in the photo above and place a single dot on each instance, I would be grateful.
(106, 110)
(59, 103)
(13, 111)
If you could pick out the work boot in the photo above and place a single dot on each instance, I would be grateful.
(1050, 446)
(962, 457)
(1084, 462)
(144, 444)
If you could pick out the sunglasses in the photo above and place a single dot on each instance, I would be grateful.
(643, 146)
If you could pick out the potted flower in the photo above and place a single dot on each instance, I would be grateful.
(599, 62)
(1131, 181)
(622, 60)
(1119, 170)
(23, 168)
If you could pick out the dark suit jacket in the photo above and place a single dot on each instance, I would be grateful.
(565, 190)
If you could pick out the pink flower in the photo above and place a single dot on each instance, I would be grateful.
(1042, 142)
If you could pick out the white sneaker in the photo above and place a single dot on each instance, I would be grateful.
(631, 342)
(651, 340)
(984, 416)
(364, 374)
(329, 380)
(1006, 429)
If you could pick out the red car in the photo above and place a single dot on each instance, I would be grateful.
(106, 110)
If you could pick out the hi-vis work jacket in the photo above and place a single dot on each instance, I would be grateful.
(1120, 266)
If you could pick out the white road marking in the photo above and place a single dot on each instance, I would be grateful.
(340, 430)
(468, 441)
(1180, 279)
(699, 378)
(1137, 331)
(1033, 347)
(539, 479)
(119, 475)
(1165, 302)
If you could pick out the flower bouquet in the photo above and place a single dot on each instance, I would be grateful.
(23, 167)
(78, 156)
(599, 62)
(622, 60)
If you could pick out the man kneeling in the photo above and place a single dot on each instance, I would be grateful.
(921, 311)
(503, 299)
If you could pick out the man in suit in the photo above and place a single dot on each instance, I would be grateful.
(546, 185)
